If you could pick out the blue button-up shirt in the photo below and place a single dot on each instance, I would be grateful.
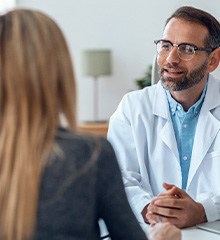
(184, 125)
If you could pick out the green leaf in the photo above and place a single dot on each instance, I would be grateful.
(146, 80)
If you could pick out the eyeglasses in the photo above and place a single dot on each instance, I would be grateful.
(185, 51)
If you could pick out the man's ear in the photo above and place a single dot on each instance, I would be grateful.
(214, 59)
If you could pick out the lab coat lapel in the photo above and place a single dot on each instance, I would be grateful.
(207, 128)
(161, 109)
(168, 137)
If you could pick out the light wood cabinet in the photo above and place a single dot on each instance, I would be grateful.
(96, 128)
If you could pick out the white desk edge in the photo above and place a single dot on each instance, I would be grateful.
(192, 233)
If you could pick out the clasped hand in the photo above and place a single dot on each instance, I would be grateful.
(175, 206)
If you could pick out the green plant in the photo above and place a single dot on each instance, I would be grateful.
(146, 80)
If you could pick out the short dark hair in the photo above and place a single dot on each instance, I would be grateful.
(199, 16)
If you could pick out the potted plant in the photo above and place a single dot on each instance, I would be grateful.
(146, 79)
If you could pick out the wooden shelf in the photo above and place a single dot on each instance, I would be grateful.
(95, 128)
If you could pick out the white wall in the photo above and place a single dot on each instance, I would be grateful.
(127, 27)
(6, 5)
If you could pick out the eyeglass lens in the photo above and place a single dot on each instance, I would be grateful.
(185, 51)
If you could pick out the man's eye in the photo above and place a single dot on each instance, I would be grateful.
(186, 49)
(165, 46)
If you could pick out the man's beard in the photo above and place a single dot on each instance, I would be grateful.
(189, 79)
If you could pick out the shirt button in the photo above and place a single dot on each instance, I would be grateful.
(185, 158)
(185, 125)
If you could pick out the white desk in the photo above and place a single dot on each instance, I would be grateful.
(187, 233)
(195, 233)
(192, 234)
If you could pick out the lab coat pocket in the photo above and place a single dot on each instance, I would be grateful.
(208, 173)
(211, 165)
(213, 155)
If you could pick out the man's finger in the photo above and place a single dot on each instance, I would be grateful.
(155, 218)
(167, 201)
(174, 190)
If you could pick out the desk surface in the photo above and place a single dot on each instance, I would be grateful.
(192, 233)
(195, 233)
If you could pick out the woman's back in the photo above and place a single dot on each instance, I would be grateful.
(79, 188)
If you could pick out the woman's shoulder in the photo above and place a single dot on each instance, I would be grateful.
(81, 147)
(76, 140)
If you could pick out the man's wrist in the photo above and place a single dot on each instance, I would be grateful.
(203, 217)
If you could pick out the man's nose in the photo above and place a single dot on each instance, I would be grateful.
(173, 56)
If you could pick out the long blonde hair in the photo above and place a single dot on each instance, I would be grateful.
(36, 85)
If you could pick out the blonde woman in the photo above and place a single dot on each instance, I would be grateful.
(55, 184)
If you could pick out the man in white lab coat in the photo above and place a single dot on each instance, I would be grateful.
(167, 136)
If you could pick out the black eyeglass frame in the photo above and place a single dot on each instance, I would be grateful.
(195, 48)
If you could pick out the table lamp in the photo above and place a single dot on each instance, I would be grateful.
(96, 63)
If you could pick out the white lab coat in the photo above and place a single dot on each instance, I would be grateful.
(142, 135)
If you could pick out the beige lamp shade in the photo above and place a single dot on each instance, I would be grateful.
(96, 62)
